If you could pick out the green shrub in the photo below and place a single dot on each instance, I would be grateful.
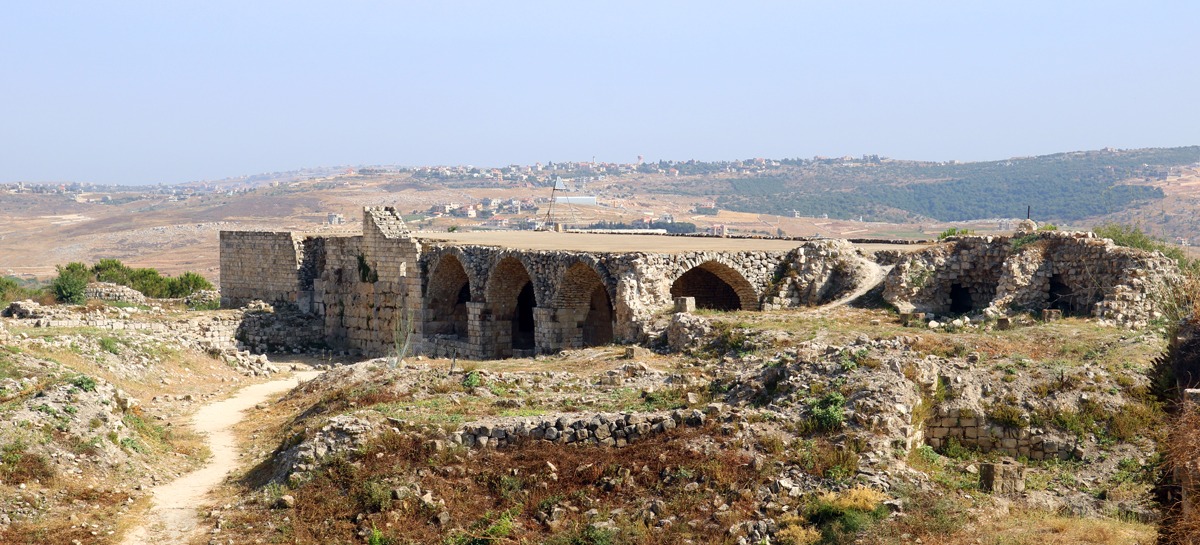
(1132, 236)
(1007, 414)
(954, 232)
(18, 466)
(85, 383)
(492, 528)
(1024, 240)
(374, 496)
(71, 284)
(585, 535)
(828, 412)
(13, 289)
(472, 379)
(377, 538)
(187, 284)
(110, 345)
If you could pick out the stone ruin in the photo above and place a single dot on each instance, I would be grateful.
(1073, 273)
(371, 292)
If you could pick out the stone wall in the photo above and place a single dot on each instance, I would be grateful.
(1072, 272)
(972, 430)
(116, 293)
(817, 273)
(260, 265)
(611, 429)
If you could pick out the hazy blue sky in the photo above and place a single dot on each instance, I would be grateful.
(164, 91)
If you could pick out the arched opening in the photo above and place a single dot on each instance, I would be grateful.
(522, 319)
(717, 287)
(1061, 296)
(584, 311)
(960, 299)
(598, 326)
(447, 296)
(511, 300)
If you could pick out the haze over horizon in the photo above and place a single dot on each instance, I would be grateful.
(149, 92)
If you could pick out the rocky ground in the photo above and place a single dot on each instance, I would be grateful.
(98, 401)
(769, 428)
(779, 427)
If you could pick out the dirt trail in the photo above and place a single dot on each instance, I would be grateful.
(172, 519)
(875, 275)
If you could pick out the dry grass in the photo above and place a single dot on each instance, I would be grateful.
(103, 507)
(477, 486)
(1182, 449)
(1041, 528)
(936, 519)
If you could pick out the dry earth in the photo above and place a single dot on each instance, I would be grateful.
(173, 517)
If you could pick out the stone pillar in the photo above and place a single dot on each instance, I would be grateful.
(685, 304)
(480, 335)
(1005, 478)
(546, 333)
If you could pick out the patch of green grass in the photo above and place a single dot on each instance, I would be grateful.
(472, 379)
(84, 383)
(110, 345)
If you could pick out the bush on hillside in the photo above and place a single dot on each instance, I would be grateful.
(1133, 237)
(71, 283)
(73, 279)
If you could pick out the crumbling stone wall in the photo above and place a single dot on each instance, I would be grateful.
(972, 430)
(817, 273)
(116, 293)
(957, 276)
(369, 286)
(1073, 272)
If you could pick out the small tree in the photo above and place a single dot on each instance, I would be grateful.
(187, 284)
(71, 284)
(112, 270)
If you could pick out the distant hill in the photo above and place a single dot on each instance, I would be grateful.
(1063, 186)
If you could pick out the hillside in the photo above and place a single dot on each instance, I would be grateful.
(175, 228)
(1061, 187)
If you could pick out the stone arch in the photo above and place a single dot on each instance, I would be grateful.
(446, 298)
(511, 300)
(584, 307)
(1070, 297)
(716, 286)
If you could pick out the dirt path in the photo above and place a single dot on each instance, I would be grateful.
(875, 275)
(172, 518)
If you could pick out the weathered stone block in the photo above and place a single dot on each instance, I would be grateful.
(1005, 478)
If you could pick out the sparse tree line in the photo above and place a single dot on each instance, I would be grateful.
(72, 280)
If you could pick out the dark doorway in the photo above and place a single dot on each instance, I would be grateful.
(598, 326)
(960, 299)
(522, 322)
(710, 291)
(1060, 296)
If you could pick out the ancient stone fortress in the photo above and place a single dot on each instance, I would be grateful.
(519, 293)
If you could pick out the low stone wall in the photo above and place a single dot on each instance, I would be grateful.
(116, 293)
(280, 330)
(973, 431)
(607, 429)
